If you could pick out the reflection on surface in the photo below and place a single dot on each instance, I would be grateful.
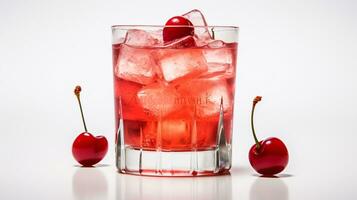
(269, 188)
(130, 187)
(89, 183)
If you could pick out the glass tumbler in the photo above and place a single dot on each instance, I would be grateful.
(174, 100)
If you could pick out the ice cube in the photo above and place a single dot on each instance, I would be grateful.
(158, 99)
(137, 37)
(202, 32)
(207, 93)
(135, 64)
(178, 64)
(127, 104)
(175, 133)
(157, 34)
(219, 57)
(118, 40)
(216, 44)
(184, 42)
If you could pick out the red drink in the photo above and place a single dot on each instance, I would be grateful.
(183, 112)
(174, 96)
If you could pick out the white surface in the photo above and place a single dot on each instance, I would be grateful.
(300, 56)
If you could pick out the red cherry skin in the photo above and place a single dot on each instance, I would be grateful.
(173, 33)
(89, 150)
(271, 158)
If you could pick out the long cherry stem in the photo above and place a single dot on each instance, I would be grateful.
(255, 101)
(77, 91)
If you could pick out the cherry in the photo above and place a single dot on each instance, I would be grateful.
(88, 149)
(270, 156)
(176, 28)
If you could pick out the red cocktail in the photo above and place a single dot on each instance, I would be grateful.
(174, 99)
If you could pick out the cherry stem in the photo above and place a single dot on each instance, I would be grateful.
(255, 101)
(77, 91)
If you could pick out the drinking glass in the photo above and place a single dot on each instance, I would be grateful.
(174, 101)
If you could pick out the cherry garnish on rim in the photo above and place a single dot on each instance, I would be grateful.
(177, 27)
(269, 156)
(88, 149)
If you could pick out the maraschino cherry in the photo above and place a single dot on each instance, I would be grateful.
(269, 156)
(87, 149)
(177, 27)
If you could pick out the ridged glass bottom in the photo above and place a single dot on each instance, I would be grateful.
(175, 163)
(159, 163)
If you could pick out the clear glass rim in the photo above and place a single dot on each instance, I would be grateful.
(127, 27)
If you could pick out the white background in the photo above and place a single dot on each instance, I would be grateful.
(299, 55)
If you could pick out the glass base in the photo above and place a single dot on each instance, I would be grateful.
(188, 163)
(208, 162)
